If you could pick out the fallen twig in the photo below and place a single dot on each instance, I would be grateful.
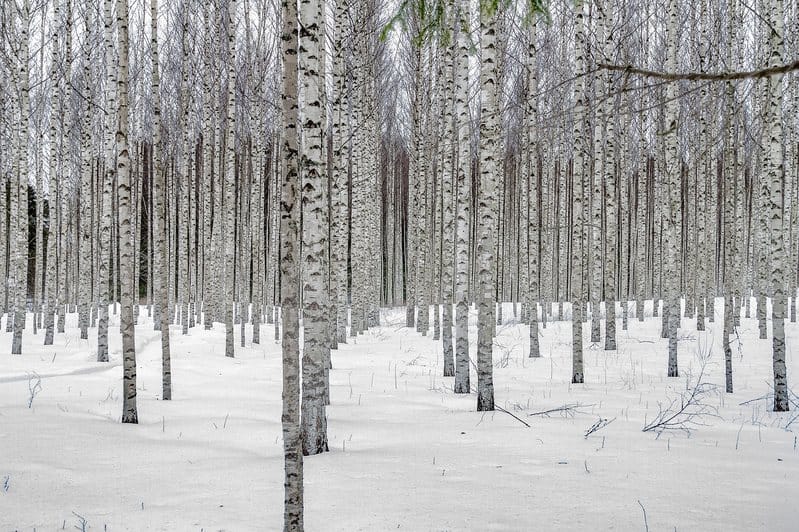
(685, 411)
(646, 523)
(514, 416)
(566, 410)
(599, 425)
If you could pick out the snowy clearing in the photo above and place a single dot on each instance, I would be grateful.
(406, 453)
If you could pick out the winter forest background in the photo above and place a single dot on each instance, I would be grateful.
(417, 264)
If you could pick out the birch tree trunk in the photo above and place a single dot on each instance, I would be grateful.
(412, 296)
(448, 215)
(702, 250)
(673, 176)
(533, 230)
(597, 181)
(159, 218)
(257, 230)
(184, 198)
(578, 170)
(463, 189)
(20, 210)
(129, 411)
(211, 213)
(289, 269)
(314, 230)
(489, 140)
(230, 181)
(13, 222)
(85, 268)
(417, 214)
(339, 188)
(38, 278)
(51, 281)
(108, 182)
(64, 203)
(775, 168)
(611, 207)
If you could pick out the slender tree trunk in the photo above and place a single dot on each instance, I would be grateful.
(339, 188)
(51, 280)
(578, 171)
(289, 270)
(108, 181)
(673, 173)
(129, 411)
(210, 206)
(184, 198)
(160, 230)
(775, 168)
(463, 189)
(448, 200)
(315, 299)
(20, 210)
(64, 202)
(85, 267)
(489, 143)
(230, 182)
(702, 249)
(611, 206)
(532, 233)
(38, 278)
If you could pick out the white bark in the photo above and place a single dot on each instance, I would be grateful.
(314, 230)
(486, 209)
(672, 168)
(774, 168)
(160, 227)
(339, 189)
(129, 411)
(463, 188)
(230, 181)
(448, 215)
(289, 269)
(107, 182)
(20, 210)
(579, 171)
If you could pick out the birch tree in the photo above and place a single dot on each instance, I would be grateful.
(108, 183)
(19, 192)
(314, 231)
(160, 229)
(51, 284)
(289, 265)
(775, 168)
(673, 174)
(463, 187)
(448, 200)
(533, 230)
(578, 169)
(129, 411)
(230, 179)
(489, 137)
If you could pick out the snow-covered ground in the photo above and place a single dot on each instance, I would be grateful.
(406, 453)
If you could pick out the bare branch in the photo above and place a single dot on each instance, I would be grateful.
(703, 76)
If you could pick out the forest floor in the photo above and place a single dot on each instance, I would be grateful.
(405, 452)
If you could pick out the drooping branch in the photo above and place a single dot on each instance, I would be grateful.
(703, 76)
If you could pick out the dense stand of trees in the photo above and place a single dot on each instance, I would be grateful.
(242, 162)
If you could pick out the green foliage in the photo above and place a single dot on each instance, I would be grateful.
(536, 8)
(436, 18)
(432, 16)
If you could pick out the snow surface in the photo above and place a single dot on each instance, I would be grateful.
(406, 453)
